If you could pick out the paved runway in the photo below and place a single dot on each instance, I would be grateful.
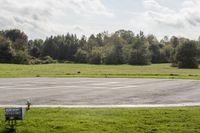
(86, 91)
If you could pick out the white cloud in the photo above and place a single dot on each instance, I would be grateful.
(191, 12)
(153, 5)
(40, 18)
(162, 15)
(163, 20)
(89, 7)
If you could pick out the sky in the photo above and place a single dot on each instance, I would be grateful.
(42, 18)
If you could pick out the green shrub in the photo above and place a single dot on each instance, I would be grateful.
(21, 57)
(187, 55)
(48, 60)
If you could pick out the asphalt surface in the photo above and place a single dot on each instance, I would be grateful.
(86, 91)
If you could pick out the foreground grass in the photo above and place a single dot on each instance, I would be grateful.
(98, 71)
(162, 120)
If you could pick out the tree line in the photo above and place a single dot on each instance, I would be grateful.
(120, 47)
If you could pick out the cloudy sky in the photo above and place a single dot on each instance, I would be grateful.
(41, 18)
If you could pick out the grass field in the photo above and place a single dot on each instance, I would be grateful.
(98, 71)
(162, 120)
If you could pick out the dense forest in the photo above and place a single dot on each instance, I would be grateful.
(121, 47)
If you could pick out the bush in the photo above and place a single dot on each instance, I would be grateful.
(35, 61)
(139, 57)
(95, 57)
(114, 56)
(187, 55)
(81, 56)
(48, 60)
(6, 51)
(21, 57)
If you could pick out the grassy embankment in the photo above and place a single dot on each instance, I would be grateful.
(162, 120)
(98, 71)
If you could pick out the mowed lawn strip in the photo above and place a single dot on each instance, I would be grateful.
(60, 120)
(98, 71)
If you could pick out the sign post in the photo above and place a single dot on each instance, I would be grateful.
(12, 115)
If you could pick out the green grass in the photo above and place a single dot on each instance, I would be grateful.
(98, 71)
(149, 120)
